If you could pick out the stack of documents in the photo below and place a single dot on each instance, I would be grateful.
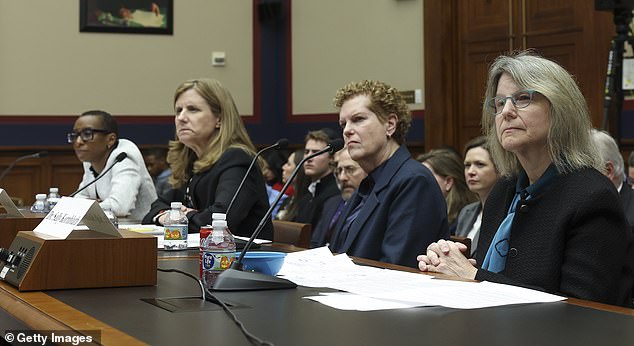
(369, 288)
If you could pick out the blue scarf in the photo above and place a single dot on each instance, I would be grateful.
(495, 259)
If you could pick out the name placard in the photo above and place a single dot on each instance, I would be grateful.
(70, 212)
(8, 204)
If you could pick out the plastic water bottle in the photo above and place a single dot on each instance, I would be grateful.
(40, 205)
(53, 197)
(219, 251)
(110, 214)
(176, 226)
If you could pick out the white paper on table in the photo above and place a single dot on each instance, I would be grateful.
(349, 301)
(319, 268)
(144, 229)
(462, 295)
(256, 240)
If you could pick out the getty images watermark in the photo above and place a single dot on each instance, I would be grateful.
(51, 337)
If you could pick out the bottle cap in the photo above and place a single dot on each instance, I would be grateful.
(53, 189)
(176, 205)
(40, 196)
(218, 225)
(218, 216)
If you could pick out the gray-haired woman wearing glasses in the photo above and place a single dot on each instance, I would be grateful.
(127, 188)
(553, 222)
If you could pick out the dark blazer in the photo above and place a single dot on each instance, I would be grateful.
(467, 217)
(318, 237)
(627, 198)
(571, 238)
(309, 208)
(404, 212)
(211, 192)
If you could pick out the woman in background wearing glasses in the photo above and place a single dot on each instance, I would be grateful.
(553, 222)
(127, 188)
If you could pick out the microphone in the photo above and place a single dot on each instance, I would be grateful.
(281, 144)
(234, 279)
(117, 159)
(30, 156)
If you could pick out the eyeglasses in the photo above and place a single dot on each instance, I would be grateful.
(520, 99)
(85, 135)
(349, 170)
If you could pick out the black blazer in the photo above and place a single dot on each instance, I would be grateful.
(309, 208)
(211, 192)
(318, 237)
(571, 239)
(627, 198)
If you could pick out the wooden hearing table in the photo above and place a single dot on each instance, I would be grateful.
(284, 318)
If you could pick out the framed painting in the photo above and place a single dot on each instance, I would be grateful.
(131, 16)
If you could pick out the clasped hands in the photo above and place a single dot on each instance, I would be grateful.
(447, 257)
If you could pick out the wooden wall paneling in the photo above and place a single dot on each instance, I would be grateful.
(568, 31)
(440, 24)
(485, 32)
(478, 57)
(483, 20)
(66, 174)
(546, 15)
(60, 169)
(24, 181)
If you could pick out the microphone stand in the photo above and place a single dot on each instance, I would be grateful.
(117, 159)
(281, 144)
(21, 158)
(233, 278)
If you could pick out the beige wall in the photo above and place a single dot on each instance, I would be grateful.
(335, 42)
(47, 67)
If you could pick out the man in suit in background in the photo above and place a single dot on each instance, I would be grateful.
(348, 174)
(615, 171)
(319, 171)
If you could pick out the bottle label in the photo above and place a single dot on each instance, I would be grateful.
(175, 232)
(217, 261)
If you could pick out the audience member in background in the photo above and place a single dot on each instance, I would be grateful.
(398, 208)
(448, 169)
(209, 157)
(127, 188)
(322, 183)
(481, 174)
(553, 222)
(349, 175)
(614, 170)
(272, 171)
(156, 163)
(630, 169)
(298, 188)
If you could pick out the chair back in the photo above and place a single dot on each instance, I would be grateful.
(293, 233)
(464, 240)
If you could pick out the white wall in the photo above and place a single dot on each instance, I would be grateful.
(47, 67)
(335, 42)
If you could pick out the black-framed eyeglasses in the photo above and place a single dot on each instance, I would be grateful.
(520, 99)
(85, 135)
